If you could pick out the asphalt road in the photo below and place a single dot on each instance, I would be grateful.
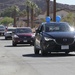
(21, 60)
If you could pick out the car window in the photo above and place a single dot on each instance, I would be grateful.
(42, 29)
(39, 28)
(2, 27)
(57, 27)
(24, 30)
(11, 29)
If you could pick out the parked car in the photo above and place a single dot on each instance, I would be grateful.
(54, 37)
(2, 29)
(8, 32)
(23, 35)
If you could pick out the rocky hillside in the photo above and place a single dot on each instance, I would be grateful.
(41, 3)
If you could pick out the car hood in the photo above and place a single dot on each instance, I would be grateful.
(60, 34)
(2, 29)
(24, 34)
(9, 32)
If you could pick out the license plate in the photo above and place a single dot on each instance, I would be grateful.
(25, 41)
(65, 47)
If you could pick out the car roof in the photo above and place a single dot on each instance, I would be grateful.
(11, 28)
(53, 22)
(22, 27)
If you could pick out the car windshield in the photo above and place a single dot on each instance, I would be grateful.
(11, 29)
(54, 27)
(1, 27)
(23, 30)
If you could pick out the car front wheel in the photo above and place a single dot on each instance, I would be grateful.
(31, 44)
(36, 50)
(5, 38)
(44, 52)
(14, 44)
(66, 53)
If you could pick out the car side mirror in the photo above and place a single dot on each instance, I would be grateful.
(37, 31)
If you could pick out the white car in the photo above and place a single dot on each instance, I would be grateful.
(8, 33)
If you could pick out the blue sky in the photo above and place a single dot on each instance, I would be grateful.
(70, 2)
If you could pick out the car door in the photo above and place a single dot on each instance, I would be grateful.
(39, 34)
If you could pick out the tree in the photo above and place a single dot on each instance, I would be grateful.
(37, 11)
(22, 13)
(30, 5)
(69, 18)
(27, 9)
(7, 12)
(33, 7)
(6, 21)
(15, 10)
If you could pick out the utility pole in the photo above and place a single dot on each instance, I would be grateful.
(48, 3)
(54, 10)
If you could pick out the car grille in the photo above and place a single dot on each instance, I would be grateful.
(9, 33)
(64, 41)
(25, 37)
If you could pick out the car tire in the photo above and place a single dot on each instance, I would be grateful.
(31, 44)
(66, 53)
(36, 50)
(44, 52)
(5, 38)
(3, 34)
(14, 44)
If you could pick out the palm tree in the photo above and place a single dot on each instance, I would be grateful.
(27, 9)
(33, 6)
(37, 11)
(15, 10)
(22, 13)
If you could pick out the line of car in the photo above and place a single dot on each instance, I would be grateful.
(20, 35)
(49, 37)
(2, 29)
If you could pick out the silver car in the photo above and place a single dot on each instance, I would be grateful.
(8, 33)
(2, 29)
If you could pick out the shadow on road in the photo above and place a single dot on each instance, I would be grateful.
(18, 46)
(1, 35)
(49, 55)
(6, 39)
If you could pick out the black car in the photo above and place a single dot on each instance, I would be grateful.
(22, 35)
(54, 37)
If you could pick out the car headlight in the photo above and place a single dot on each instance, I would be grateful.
(15, 36)
(48, 39)
(33, 36)
(74, 38)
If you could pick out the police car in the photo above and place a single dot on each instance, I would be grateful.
(54, 37)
